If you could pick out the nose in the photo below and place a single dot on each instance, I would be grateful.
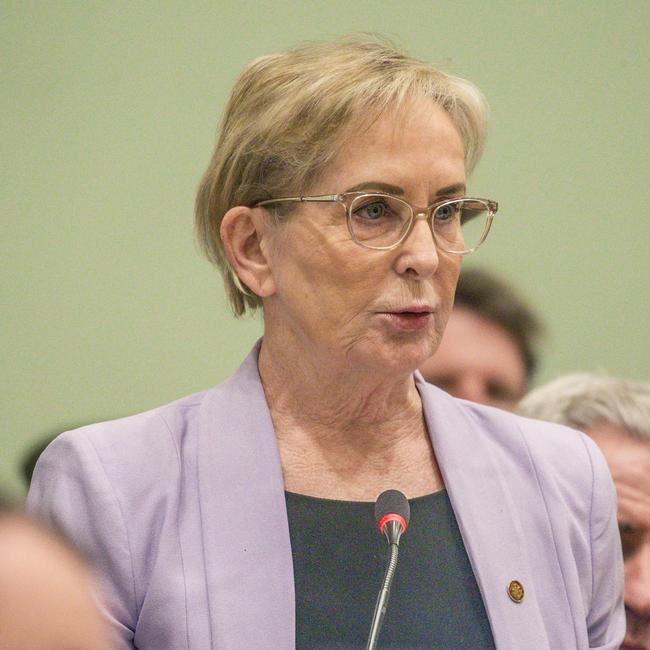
(637, 579)
(418, 256)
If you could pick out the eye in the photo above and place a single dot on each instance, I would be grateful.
(500, 392)
(446, 383)
(448, 212)
(372, 211)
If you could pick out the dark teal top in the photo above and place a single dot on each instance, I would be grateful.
(339, 561)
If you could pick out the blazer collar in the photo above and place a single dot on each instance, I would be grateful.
(247, 548)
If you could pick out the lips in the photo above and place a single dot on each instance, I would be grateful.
(411, 309)
(409, 312)
(409, 319)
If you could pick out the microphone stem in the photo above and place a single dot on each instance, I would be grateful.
(382, 599)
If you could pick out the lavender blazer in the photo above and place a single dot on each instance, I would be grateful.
(182, 510)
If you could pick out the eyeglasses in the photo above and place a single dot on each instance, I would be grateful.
(382, 222)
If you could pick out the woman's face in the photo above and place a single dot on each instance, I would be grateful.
(376, 309)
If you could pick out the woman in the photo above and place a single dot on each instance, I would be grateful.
(241, 517)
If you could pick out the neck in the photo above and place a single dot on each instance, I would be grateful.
(345, 431)
(333, 397)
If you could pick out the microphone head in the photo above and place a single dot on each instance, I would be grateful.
(392, 506)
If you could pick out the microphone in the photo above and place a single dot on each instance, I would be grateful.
(392, 514)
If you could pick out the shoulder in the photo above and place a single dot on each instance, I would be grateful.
(156, 432)
(144, 453)
(544, 437)
(111, 466)
(559, 463)
(116, 489)
(552, 448)
(567, 468)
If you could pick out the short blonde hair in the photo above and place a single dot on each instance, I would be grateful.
(288, 117)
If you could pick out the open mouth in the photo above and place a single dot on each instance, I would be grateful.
(409, 320)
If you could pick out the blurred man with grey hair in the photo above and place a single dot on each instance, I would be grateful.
(616, 414)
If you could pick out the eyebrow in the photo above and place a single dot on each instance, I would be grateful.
(377, 185)
(457, 188)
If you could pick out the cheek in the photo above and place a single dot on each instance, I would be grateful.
(446, 279)
(346, 284)
(313, 278)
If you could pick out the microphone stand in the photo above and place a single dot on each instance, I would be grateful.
(384, 593)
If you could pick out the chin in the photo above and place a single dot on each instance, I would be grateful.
(402, 356)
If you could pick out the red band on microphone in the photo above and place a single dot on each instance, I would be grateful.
(391, 516)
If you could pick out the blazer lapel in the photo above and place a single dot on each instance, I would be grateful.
(247, 549)
(483, 500)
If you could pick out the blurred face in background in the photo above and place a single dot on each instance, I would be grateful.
(629, 462)
(46, 592)
(478, 360)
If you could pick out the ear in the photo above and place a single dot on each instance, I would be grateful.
(244, 232)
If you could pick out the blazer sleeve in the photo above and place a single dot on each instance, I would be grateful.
(606, 616)
(71, 491)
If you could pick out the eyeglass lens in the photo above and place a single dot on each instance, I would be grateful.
(379, 220)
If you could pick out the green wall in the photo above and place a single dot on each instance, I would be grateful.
(109, 111)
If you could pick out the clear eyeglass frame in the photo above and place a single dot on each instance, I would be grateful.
(349, 199)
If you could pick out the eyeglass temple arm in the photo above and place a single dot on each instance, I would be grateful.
(299, 199)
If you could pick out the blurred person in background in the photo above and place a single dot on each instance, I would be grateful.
(47, 599)
(488, 352)
(616, 414)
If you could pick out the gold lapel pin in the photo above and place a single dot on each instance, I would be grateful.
(516, 591)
